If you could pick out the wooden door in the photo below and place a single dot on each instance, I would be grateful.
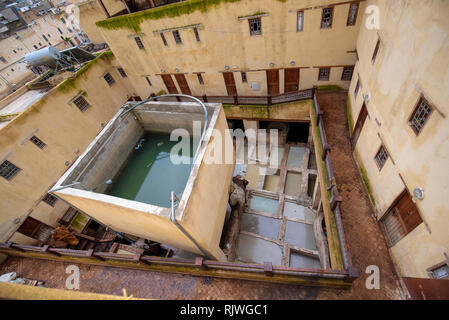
(273, 82)
(230, 83)
(402, 218)
(359, 125)
(35, 229)
(168, 81)
(182, 83)
(291, 79)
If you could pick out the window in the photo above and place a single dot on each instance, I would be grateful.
(50, 199)
(352, 14)
(48, 35)
(148, 80)
(63, 21)
(197, 35)
(420, 115)
(255, 26)
(69, 30)
(357, 87)
(45, 38)
(300, 21)
(177, 37)
(347, 73)
(40, 44)
(164, 40)
(81, 103)
(14, 51)
(139, 43)
(381, 157)
(323, 74)
(244, 79)
(8, 170)
(60, 31)
(441, 271)
(2, 59)
(326, 18)
(109, 79)
(376, 50)
(200, 78)
(38, 142)
(35, 47)
(122, 72)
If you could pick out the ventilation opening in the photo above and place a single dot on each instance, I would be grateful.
(299, 132)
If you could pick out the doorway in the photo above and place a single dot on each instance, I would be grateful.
(182, 83)
(273, 82)
(291, 80)
(230, 83)
(359, 125)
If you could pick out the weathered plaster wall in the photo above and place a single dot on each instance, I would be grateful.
(412, 59)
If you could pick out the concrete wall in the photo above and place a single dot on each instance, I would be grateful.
(90, 12)
(66, 131)
(225, 40)
(412, 59)
(202, 207)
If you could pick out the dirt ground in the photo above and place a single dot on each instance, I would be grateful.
(366, 242)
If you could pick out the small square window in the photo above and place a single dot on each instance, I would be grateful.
(244, 79)
(346, 75)
(81, 103)
(326, 18)
(38, 142)
(255, 26)
(2, 59)
(381, 157)
(352, 14)
(139, 43)
(148, 80)
(50, 199)
(357, 88)
(122, 72)
(200, 78)
(177, 37)
(323, 74)
(420, 116)
(164, 40)
(197, 35)
(8, 170)
(299, 26)
(109, 79)
(376, 50)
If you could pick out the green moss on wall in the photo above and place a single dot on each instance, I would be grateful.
(329, 87)
(350, 123)
(66, 86)
(132, 21)
(258, 13)
(366, 182)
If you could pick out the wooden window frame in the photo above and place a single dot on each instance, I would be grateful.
(343, 72)
(415, 109)
(328, 74)
(255, 32)
(38, 142)
(297, 20)
(13, 170)
(356, 13)
(376, 160)
(139, 43)
(331, 20)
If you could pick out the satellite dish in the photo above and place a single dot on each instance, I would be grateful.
(418, 193)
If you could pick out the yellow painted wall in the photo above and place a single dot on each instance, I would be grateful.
(225, 40)
(413, 58)
(90, 12)
(66, 131)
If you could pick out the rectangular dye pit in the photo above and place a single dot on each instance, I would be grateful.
(296, 211)
(293, 184)
(272, 181)
(253, 249)
(257, 224)
(300, 235)
(264, 204)
(295, 157)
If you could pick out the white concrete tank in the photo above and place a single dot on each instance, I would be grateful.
(44, 56)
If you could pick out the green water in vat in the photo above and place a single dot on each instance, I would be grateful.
(149, 175)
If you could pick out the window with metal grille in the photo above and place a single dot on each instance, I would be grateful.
(50, 199)
(420, 115)
(139, 43)
(381, 157)
(62, 19)
(244, 79)
(440, 272)
(200, 78)
(323, 74)
(164, 40)
(352, 14)
(2, 59)
(122, 72)
(148, 80)
(45, 38)
(326, 18)
(300, 23)
(177, 37)
(357, 88)
(376, 50)
(8, 170)
(109, 79)
(255, 26)
(60, 31)
(38, 142)
(346, 75)
(197, 35)
(81, 103)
